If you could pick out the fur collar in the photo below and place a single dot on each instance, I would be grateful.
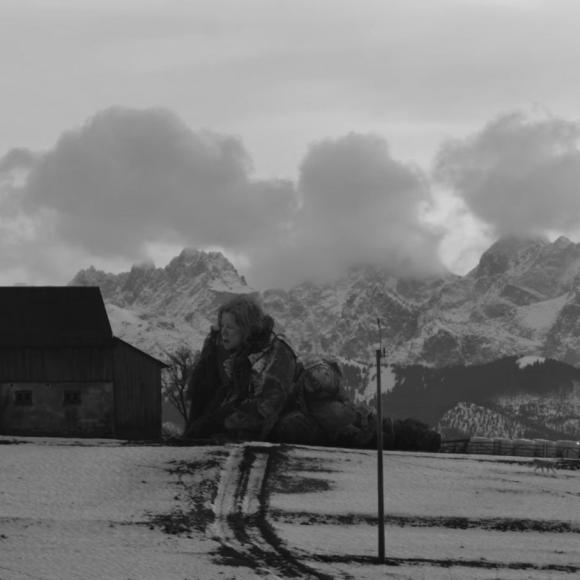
(262, 339)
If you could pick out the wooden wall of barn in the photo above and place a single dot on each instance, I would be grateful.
(69, 390)
(137, 393)
(133, 377)
(56, 364)
(81, 409)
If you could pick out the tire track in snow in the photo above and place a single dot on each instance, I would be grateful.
(240, 523)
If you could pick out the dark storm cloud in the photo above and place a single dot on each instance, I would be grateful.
(520, 174)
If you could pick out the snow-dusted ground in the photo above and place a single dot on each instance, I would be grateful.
(445, 514)
(104, 509)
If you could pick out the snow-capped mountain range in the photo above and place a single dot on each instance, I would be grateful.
(522, 299)
(159, 309)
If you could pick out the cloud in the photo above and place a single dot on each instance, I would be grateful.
(131, 180)
(31, 252)
(519, 174)
(357, 205)
(17, 159)
(131, 176)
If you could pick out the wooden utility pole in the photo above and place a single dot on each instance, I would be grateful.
(381, 498)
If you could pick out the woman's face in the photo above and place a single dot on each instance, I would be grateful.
(231, 333)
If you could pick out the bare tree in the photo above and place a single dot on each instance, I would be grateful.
(176, 376)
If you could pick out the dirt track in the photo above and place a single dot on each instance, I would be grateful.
(241, 524)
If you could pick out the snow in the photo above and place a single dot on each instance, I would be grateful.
(155, 335)
(120, 317)
(80, 512)
(541, 316)
(86, 509)
(525, 361)
(230, 286)
(388, 382)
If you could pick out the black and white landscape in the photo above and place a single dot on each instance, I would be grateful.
(104, 509)
(411, 164)
(493, 352)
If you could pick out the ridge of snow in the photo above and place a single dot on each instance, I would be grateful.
(528, 360)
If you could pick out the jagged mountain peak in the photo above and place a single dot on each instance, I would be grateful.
(191, 274)
(526, 303)
(159, 308)
(144, 265)
(563, 243)
(506, 252)
(90, 276)
(526, 270)
(87, 275)
(192, 263)
(191, 257)
(189, 267)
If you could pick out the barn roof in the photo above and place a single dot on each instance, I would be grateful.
(119, 341)
(53, 316)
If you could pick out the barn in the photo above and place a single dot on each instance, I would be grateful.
(63, 373)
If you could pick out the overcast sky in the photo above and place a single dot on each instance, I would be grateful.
(298, 136)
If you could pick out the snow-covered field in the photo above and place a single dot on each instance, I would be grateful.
(105, 509)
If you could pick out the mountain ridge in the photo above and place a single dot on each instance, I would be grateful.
(522, 299)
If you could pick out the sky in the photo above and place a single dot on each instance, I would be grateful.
(297, 136)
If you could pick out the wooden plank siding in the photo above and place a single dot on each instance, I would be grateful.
(137, 393)
(135, 376)
(37, 364)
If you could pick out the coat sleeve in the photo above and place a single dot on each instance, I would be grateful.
(274, 387)
(204, 380)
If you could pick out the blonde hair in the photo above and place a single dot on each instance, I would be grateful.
(247, 313)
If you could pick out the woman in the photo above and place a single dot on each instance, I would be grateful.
(245, 376)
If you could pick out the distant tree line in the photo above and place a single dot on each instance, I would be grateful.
(427, 393)
(409, 435)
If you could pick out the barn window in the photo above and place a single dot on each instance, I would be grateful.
(23, 398)
(72, 398)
